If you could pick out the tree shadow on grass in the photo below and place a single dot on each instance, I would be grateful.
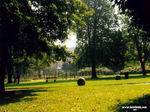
(141, 104)
(27, 84)
(112, 77)
(17, 95)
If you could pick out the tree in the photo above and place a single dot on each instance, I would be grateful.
(140, 40)
(95, 40)
(39, 64)
(137, 43)
(30, 28)
(115, 51)
(137, 10)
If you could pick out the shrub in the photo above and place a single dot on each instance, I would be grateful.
(118, 77)
(126, 74)
(81, 81)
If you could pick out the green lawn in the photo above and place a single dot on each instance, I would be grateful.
(66, 96)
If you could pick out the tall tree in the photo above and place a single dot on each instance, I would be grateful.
(141, 41)
(96, 34)
(115, 51)
(138, 43)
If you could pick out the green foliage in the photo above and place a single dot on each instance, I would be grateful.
(68, 67)
(137, 43)
(39, 64)
(140, 40)
(135, 69)
(115, 50)
(31, 27)
(138, 46)
(78, 13)
(101, 42)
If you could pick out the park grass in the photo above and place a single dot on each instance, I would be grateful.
(65, 96)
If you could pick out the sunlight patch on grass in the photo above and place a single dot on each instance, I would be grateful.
(95, 96)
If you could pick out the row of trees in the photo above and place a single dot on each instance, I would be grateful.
(29, 28)
(110, 40)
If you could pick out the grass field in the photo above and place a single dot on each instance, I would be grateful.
(65, 96)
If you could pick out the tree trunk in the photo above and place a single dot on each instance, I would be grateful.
(9, 66)
(66, 75)
(9, 79)
(39, 74)
(3, 61)
(18, 78)
(93, 50)
(94, 71)
(9, 72)
(143, 68)
(2, 88)
(140, 56)
(93, 58)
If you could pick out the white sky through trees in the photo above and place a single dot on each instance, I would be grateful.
(71, 41)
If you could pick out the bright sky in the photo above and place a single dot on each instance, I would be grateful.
(71, 41)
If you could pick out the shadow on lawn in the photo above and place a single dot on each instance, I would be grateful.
(39, 83)
(28, 84)
(141, 104)
(14, 95)
(131, 76)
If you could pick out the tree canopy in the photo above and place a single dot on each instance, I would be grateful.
(138, 10)
(100, 42)
(31, 27)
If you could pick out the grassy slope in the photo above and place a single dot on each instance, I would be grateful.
(96, 96)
